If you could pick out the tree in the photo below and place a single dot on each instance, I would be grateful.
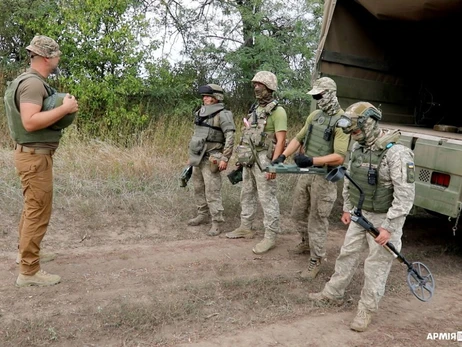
(236, 38)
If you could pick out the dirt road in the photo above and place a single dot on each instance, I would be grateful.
(162, 284)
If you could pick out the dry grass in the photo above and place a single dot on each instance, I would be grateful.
(92, 176)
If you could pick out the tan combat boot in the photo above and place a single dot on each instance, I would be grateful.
(312, 271)
(322, 298)
(198, 220)
(361, 321)
(241, 232)
(268, 243)
(216, 228)
(44, 257)
(41, 279)
(302, 248)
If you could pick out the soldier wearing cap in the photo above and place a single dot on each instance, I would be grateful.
(209, 151)
(326, 146)
(266, 125)
(384, 170)
(31, 128)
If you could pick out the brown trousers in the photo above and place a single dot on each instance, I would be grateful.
(36, 174)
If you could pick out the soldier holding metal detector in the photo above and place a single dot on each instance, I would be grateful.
(325, 146)
(385, 171)
(209, 151)
(266, 128)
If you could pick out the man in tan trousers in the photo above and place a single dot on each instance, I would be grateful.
(36, 137)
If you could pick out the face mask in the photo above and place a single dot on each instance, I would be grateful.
(328, 102)
(369, 132)
(263, 95)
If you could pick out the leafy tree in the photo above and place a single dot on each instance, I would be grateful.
(19, 22)
(235, 38)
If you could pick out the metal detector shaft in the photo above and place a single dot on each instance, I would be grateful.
(294, 169)
(419, 277)
(283, 168)
(374, 232)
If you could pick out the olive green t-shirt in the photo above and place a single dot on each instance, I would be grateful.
(341, 140)
(277, 121)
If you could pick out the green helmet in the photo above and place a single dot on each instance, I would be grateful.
(267, 78)
(54, 101)
(213, 90)
(356, 116)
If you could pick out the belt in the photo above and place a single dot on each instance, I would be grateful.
(21, 148)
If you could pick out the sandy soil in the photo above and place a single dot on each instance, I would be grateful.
(159, 283)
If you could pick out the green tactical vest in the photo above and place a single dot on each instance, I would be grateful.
(261, 139)
(377, 198)
(210, 130)
(315, 144)
(17, 131)
(207, 131)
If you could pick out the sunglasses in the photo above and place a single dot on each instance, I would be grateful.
(318, 96)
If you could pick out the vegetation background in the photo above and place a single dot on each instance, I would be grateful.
(132, 85)
(136, 93)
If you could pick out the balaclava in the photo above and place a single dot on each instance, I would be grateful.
(329, 103)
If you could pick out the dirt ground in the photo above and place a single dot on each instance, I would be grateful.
(160, 283)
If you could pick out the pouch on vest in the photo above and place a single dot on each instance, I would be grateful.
(197, 150)
(244, 156)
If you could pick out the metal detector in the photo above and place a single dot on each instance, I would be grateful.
(419, 278)
(285, 168)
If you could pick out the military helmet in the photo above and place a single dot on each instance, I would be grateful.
(357, 114)
(267, 78)
(54, 101)
(213, 90)
(323, 84)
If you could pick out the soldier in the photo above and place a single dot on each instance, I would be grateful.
(314, 196)
(385, 171)
(266, 125)
(209, 151)
(36, 138)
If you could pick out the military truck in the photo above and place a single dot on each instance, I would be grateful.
(401, 55)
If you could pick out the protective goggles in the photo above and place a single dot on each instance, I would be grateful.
(348, 124)
(344, 122)
(207, 90)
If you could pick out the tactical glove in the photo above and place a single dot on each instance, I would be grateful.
(279, 160)
(303, 161)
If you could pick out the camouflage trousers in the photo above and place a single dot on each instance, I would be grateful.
(376, 266)
(313, 199)
(207, 191)
(256, 186)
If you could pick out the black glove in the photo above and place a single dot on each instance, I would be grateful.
(303, 161)
(279, 160)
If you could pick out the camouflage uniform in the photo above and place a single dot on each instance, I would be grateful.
(268, 118)
(314, 196)
(214, 133)
(395, 174)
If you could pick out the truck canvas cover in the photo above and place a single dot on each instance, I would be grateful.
(402, 56)
(401, 53)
